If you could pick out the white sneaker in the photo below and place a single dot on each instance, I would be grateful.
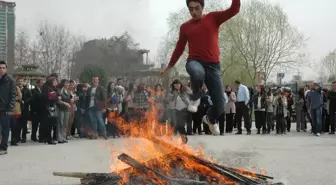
(318, 134)
(193, 105)
(214, 128)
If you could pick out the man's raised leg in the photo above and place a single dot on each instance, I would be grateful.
(197, 76)
(213, 81)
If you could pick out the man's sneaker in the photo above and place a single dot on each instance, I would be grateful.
(3, 152)
(193, 105)
(318, 134)
(214, 128)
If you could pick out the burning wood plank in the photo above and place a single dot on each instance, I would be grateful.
(145, 170)
(216, 168)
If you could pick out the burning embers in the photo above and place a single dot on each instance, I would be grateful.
(176, 168)
(170, 163)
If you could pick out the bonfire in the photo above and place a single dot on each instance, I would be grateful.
(153, 155)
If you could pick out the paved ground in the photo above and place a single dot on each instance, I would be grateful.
(295, 159)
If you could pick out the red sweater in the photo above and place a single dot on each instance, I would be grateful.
(202, 36)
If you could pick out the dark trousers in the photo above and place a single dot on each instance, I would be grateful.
(15, 129)
(36, 122)
(180, 120)
(229, 123)
(48, 126)
(189, 124)
(22, 128)
(324, 123)
(332, 121)
(4, 130)
(242, 110)
(210, 74)
(269, 120)
(260, 120)
(280, 124)
(80, 122)
(197, 120)
(221, 121)
(289, 120)
(316, 115)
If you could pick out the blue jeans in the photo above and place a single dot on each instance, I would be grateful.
(4, 130)
(97, 121)
(316, 115)
(210, 74)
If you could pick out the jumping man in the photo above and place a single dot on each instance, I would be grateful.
(201, 33)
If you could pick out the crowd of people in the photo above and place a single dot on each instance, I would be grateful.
(60, 110)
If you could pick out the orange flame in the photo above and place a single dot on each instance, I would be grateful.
(139, 146)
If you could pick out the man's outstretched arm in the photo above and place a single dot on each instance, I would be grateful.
(222, 16)
(179, 49)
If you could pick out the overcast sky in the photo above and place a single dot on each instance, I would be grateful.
(146, 20)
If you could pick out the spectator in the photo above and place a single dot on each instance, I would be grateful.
(230, 108)
(269, 110)
(280, 111)
(96, 104)
(37, 109)
(259, 102)
(299, 110)
(332, 107)
(65, 99)
(315, 106)
(7, 103)
(242, 110)
(51, 114)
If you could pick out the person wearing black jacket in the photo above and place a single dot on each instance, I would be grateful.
(37, 109)
(259, 102)
(201, 111)
(332, 108)
(7, 102)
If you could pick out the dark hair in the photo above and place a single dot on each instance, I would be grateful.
(3, 63)
(63, 81)
(237, 82)
(301, 92)
(177, 82)
(80, 87)
(334, 82)
(109, 89)
(119, 79)
(50, 81)
(130, 88)
(39, 81)
(158, 85)
(198, 1)
(72, 81)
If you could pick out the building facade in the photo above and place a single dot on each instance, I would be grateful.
(7, 32)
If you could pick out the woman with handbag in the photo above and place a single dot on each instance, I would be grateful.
(51, 116)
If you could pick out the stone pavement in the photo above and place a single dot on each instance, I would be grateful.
(295, 159)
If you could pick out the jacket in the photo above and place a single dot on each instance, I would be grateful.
(332, 100)
(276, 105)
(100, 98)
(7, 94)
(269, 103)
(37, 103)
(262, 102)
(17, 106)
(230, 107)
(315, 99)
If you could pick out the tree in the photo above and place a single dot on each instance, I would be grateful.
(52, 48)
(259, 38)
(22, 49)
(264, 39)
(328, 67)
(119, 55)
(92, 70)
